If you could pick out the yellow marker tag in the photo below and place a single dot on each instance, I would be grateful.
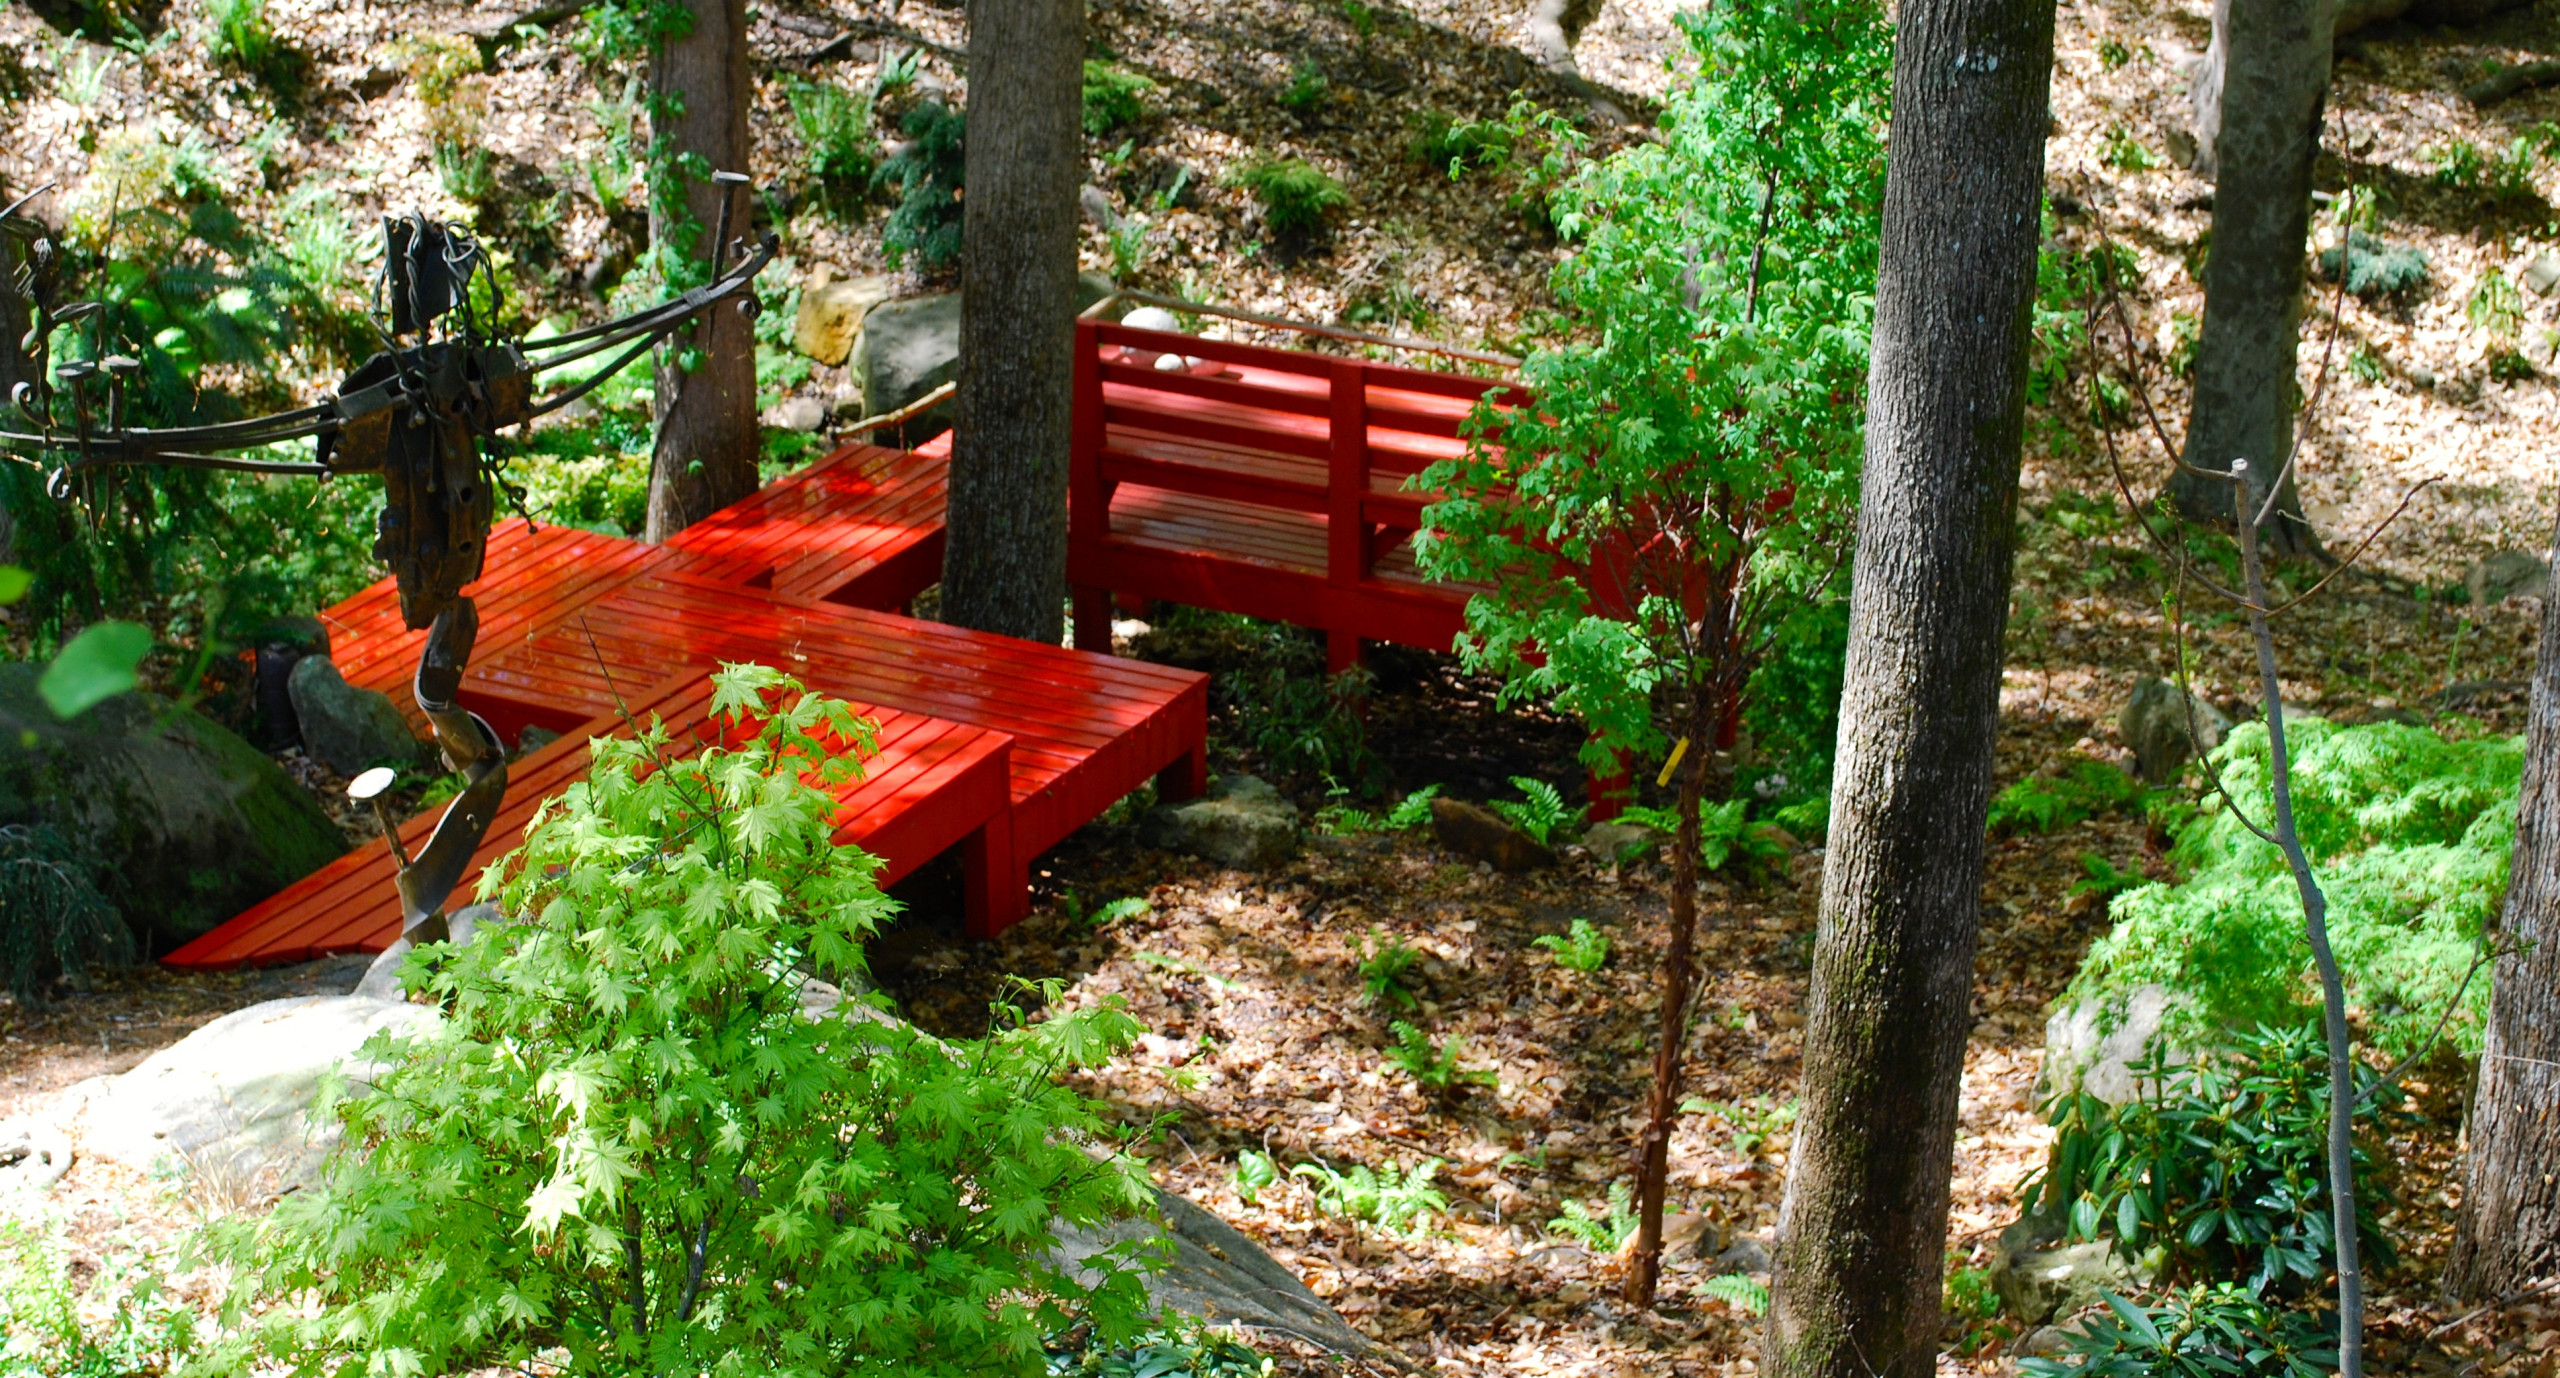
(1679, 749)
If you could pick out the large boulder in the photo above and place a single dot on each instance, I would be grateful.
(831, 313)
(2507, 574)
(187, 824)
(2154, 723)
(1241, 822)
(346, 728)
(2041, 1276)
(1472, 830)
(908, 348)
(2093, 1044)
(232, 1101)
(1216, 1273)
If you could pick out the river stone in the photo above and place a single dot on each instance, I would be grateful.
(1483, 835)
(232, 1100)
(1241, 822)
(2507, 574)
(343, 727)
(187, 824)
(2154, 724)
(831, 313)
(1217, 1274)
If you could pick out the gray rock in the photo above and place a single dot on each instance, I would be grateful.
(908, 348)
(832, 310)
(1486, 836)
(2507, 574)
(1612, 844)
(1241, 822)
(1096, 205)
(2093, 1045)
(2154, 723)
(2040, 1278)
(534, 738)
(1749, 1254)
(187, 823)
(1217, 1274)
(232, 1100)
(802, 414)
(2543, 274)
(346, 728)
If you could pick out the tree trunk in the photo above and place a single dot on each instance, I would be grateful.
(1004, 567)
(1653, 1146)
(2509, 1231)
(2274, 64)
(705, 456)
(1862, 1232)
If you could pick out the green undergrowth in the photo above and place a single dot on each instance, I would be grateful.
(2409, 835)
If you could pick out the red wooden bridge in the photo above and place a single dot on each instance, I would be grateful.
(1261, 481)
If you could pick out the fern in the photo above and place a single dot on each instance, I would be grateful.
(1383, 965)
(1585, 948)
(1740, 1291)
(1541, 812)
(1410, 812)
(1725, 833)
(2041, 805)
(1432, 1066)
(1396, 1203)
(1606, 1232)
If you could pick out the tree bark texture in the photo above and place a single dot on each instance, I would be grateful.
(1004, 565)
(1862, 1232)
(1679, 979)
(706, 449)
(2274, 64)
(2509, 1231)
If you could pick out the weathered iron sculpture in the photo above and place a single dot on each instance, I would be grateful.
(416, 413)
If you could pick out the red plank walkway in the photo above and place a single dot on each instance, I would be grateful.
(997, 746)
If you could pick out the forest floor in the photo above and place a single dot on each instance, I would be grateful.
(1260, 1037)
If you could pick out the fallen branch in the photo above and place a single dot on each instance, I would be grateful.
(2506, 81)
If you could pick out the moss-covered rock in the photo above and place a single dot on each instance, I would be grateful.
(187, 824)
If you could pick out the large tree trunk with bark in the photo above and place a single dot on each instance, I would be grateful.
(1004, 566)
(2273, 60)
(705, 456)
(1862, 1233)
(2509, 1232)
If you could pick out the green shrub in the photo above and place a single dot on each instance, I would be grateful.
(1302, 725)
(627, 1143)
(1296, 196)
(927, 174)
(52, 917)
(2496, 308)
(2409, 835)
(1397, 1202)
(1433, 1066)
(118, 1320)
(1583, 948)
(2457, 164)
(238, 34)
(835, 129)
(1185, 1348)
(1791, 708)
(2375, 267)
(1307, 90)
(1254, 1173)
(2221, 1165)
(2203, 1332)
(1113, 96)
(2039, 804)
(1540, 810)
(1444, 143)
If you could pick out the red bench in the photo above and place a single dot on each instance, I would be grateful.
(861, 527)
(1260, 481)
(931, 784)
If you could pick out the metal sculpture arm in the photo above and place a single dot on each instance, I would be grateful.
(415, 413)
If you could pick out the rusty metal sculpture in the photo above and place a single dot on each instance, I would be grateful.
(417, 413)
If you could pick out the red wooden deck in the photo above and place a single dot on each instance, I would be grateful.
(930, 785)
(997, 746)
(1261, 481)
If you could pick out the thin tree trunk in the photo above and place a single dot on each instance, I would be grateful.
(705, 456)
(1653, 1145)
(1004, 567)
(2509, 1231)
(1862, 1233)
(2274, 60)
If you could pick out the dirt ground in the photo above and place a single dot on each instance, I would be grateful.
(1260, 1037)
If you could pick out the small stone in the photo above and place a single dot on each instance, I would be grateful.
(795, 414)
(1615, 844)
(534, 738)
(2154, 723)
(2039, 1278)
(1749, 1254)
(2181, 144)
(1480, 834)
(2543, 274)
(832, 312)
(2507, 574)
(1241, 822)
(1097, 207)
(343, 727)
